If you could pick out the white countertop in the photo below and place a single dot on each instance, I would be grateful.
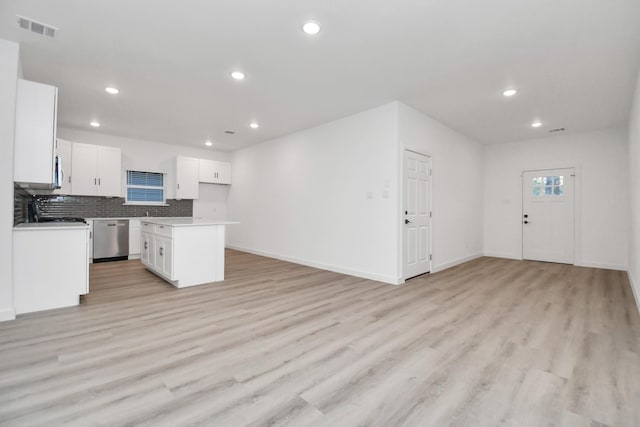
(187, 222)
(51, 226)
(138, 218)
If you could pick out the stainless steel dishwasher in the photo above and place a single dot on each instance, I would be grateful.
(110, 240)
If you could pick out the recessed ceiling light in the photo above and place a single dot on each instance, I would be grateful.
(238, 75)
(311, 27)
(536, 124)
(254, 125)
(112, 90)
(208, 143)
(509, 92)
(95, 124)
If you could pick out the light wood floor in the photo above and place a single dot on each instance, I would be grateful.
(491, 342)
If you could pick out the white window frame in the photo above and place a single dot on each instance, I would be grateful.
(141, 203)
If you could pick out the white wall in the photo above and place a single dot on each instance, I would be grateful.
(634, 199)
(303, 197)
(457, 204)
(159, 157)
(602, 191)
(9, 73)
(212, 201)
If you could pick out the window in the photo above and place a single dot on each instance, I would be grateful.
(145, 187)
(547, 186)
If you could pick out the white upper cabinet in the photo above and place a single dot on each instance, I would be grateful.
(213, 172)
(35, 134)
(84, 169)
(187, 177)
(109, 171)
(63, 152)
(96, 170)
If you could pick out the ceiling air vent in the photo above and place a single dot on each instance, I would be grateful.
(36, 27)
(557, 130)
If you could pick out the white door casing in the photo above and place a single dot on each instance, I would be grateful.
(548, 221)
(416, 214)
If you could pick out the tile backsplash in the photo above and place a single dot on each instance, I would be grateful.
(103, 207)
(20, 205)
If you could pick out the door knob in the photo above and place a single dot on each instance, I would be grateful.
(526, 222)
(406, 221)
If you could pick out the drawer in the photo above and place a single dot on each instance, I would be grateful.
(164, 230)
(146, 227)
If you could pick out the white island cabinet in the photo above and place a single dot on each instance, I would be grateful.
(184, 251)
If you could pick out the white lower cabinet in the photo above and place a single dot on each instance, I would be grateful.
(134, 238)
(50, 266)
(183, 255)
(164, 256)
(157, 254)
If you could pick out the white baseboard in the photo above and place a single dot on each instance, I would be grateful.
(7, 314)
(136, 256)
(634, 290)
(321, 266)
(601, 265)
(444, 266)
(503, 255)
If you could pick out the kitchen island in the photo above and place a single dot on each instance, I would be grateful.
(184, 251)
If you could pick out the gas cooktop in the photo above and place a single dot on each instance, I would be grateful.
(61, 219)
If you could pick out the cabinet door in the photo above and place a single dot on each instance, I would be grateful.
(90, 222)
(214, 172)
(35, 133)
(186, 178)
(134, 237)
(147, 250)
(63, 151)
(164, 256)
(206, 170)
(109, 171)
(84, 169)
(223, 170)
(167, 257)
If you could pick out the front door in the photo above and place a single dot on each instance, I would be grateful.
(417, 214)
(548, 215)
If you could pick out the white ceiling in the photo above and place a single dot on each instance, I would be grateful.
(574, 63)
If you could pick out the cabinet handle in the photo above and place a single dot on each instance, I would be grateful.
(69, 179)
(178, 186)
(98, 181)
(145, 245)
(95, 181)
(161, 251)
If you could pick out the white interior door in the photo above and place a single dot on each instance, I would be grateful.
(548, 215)
(417, 214)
